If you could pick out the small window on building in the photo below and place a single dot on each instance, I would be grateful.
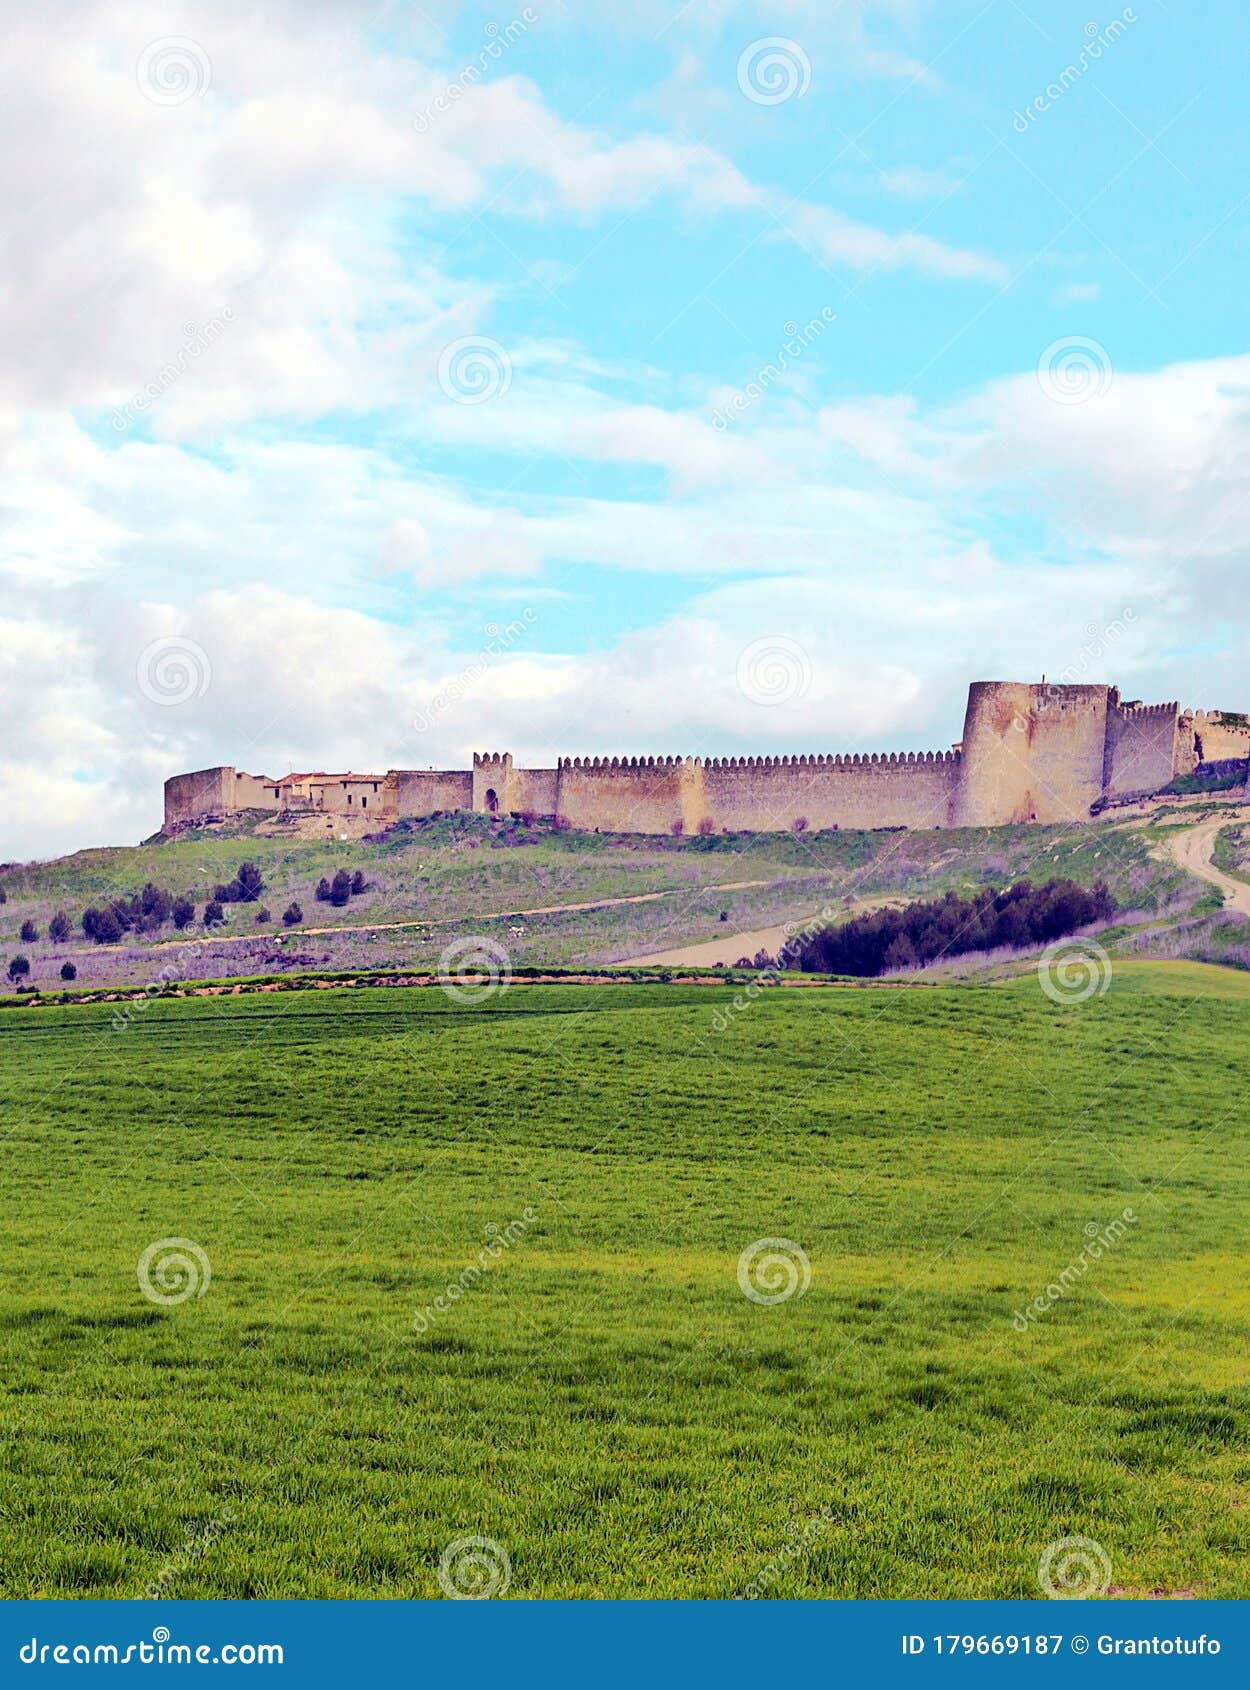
(364, 802)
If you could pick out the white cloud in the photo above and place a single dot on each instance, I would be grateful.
(838, 240)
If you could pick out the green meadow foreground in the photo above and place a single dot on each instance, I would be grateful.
(598, 1394)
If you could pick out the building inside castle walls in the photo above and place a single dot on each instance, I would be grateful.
(1030, 752)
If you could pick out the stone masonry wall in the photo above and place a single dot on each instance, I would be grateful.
(1142, 747)
(1030, 752)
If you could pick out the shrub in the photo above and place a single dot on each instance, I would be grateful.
(68, 971)
(799, 824)
(214, 915)
(358, 882)
(154, 905)
(678, 828)
(706, 826)
(183, 913)
(562, 824)
(340, 888)
(925, 932)
(323, 890)
(291, 914)
(29, 933)
(102, 926)
(249, 883)
(58, 928)
(3, 896)
(263, 915)
(19, 968)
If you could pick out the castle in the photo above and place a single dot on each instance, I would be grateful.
(1029, 752)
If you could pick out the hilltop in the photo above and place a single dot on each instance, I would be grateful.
(552, 896)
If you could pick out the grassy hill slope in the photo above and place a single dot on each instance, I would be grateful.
(602, 1399)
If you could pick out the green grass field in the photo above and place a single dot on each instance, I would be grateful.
(603, 1400)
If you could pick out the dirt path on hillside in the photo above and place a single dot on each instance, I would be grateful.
(727, 950)
(1192, 848)
(480, 915)
(734, 946)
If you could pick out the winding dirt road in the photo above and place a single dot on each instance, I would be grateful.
(1192, 848)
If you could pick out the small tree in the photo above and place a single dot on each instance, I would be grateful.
(214, 915)
(799, 824)
(291, 914)
(19, 968)
(678, 828)
(68, 971)
(58, 928)
(262, 915)
(3, 896)
(340, 888)
(323, 890)
(249, 883)
(358, 882)
(900, 953)
(183, 912)
(706, 826)
(102, 925)
(29, 933)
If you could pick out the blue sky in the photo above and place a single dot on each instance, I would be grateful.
(383, 383)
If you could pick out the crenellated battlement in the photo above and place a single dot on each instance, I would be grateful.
(849, 760)
(1144, 712)
(1029, 752)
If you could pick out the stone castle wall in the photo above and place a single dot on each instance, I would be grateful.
(419, 792)
(1218, 736)
(201, 793)
(769, 794)
(1030, 752)
(1143, 747)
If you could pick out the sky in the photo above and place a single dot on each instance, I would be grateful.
(381, 383)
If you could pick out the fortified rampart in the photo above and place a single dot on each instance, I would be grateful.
(1030, 752)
